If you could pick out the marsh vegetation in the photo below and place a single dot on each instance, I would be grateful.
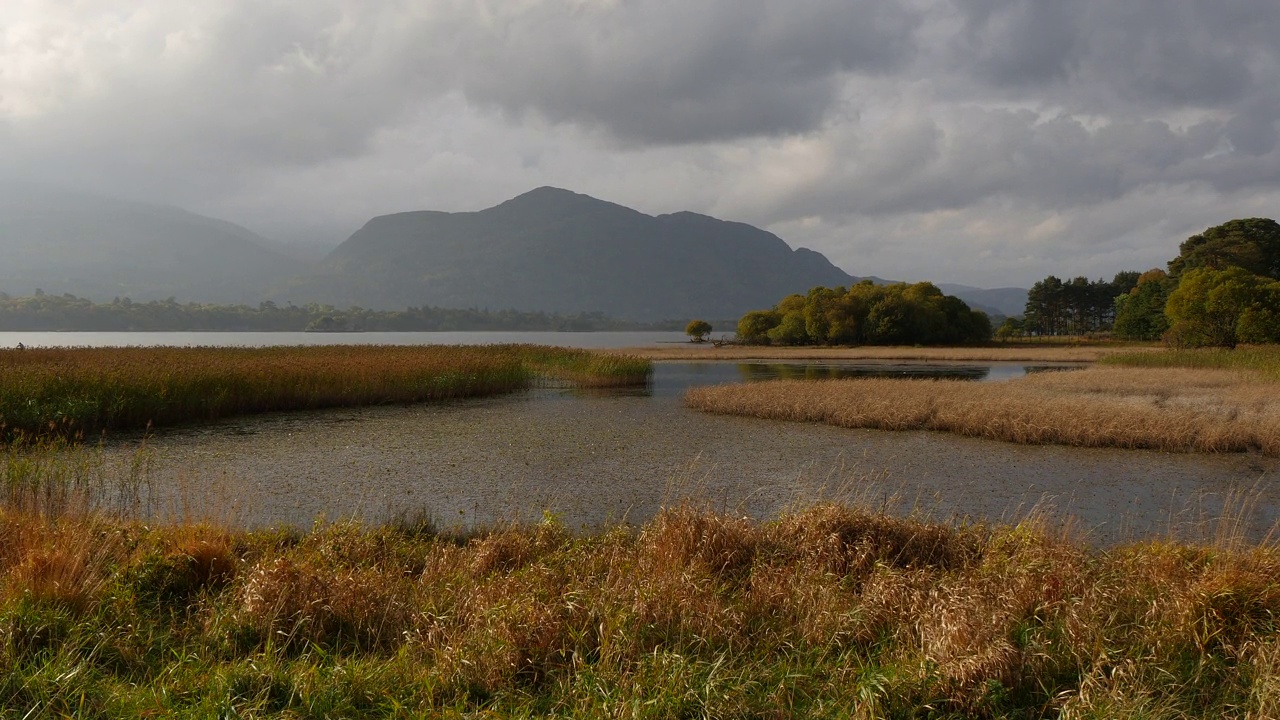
(82, 392)
(827, 611)
(1202, 401)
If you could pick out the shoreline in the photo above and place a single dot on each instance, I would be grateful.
(706, 352)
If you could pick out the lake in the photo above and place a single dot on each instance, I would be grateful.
(588, 340)
(593, 457)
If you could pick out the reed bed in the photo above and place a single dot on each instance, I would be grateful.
(826, 612)
(1262, 359)
(83, 392)
(1170, 409)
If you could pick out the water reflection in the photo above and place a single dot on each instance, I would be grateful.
(671, 379)
(751, 372)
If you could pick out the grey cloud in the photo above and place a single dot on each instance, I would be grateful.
(1018, 43)
(673, 72)
(828, 114)
(1106, 55)
(971, 155)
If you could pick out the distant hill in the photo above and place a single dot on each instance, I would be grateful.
(1008, 301)
(65, 242)
(558, 251)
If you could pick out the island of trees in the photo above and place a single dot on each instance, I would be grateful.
(867, 314)
(1221, 290)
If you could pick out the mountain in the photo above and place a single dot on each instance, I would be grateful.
(558, 251)
(66, 242)
(1008, 301)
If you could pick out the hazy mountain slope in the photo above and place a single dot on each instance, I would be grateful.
(96, 247)
(1008, 301)
(558, 251)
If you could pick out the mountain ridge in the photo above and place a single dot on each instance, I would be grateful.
(555, 250)
(62, 241)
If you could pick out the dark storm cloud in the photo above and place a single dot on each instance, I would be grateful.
(678, 72)
(814, 116)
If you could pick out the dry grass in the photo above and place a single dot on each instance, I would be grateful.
(1172, 409)
(829, 611)
(81, 392)
(1046, 353)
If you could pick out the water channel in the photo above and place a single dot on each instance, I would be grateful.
(598, 457)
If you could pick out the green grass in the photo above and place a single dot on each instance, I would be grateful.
(84, 392)
(1262, 359)
(828, 612)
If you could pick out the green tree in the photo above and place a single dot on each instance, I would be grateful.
(1250, 243)
(698, 330)
(1140, 311)
(754, 327)
(790, 331)
(1010, 328)
(1221, 308)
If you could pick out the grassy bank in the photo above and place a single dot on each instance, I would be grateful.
(87, 391)
(829, 612)
(1173, 408)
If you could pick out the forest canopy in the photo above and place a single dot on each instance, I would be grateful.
(867, 314)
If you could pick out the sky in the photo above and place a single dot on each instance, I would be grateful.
(983, 142)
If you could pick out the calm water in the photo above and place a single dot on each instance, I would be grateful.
(597, 457)
(590, 340)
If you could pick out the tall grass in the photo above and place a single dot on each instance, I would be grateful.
(86, 391)
(1175, 409)
(1263, 359)
(584, 368)
(827, 612)
(54, 478)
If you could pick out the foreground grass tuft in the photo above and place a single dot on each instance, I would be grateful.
(829, 611)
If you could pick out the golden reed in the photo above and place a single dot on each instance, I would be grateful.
(1173, 409)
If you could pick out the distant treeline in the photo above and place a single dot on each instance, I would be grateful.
(867, 314)
(68, 312)
(1222, 289)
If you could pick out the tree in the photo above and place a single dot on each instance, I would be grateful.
(1251, 243)
(1140, 311)
(1010, 328)
(1221, 308)
(754, 327)
(698, 330)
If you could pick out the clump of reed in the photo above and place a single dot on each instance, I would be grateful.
(83, 392)
(828, 611)
(1173, 409)
(584, 368)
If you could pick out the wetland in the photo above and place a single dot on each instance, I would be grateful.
(594, 457)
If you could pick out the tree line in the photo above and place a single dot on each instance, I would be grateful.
(867, 314)
(1222, 289)
(44, 311)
